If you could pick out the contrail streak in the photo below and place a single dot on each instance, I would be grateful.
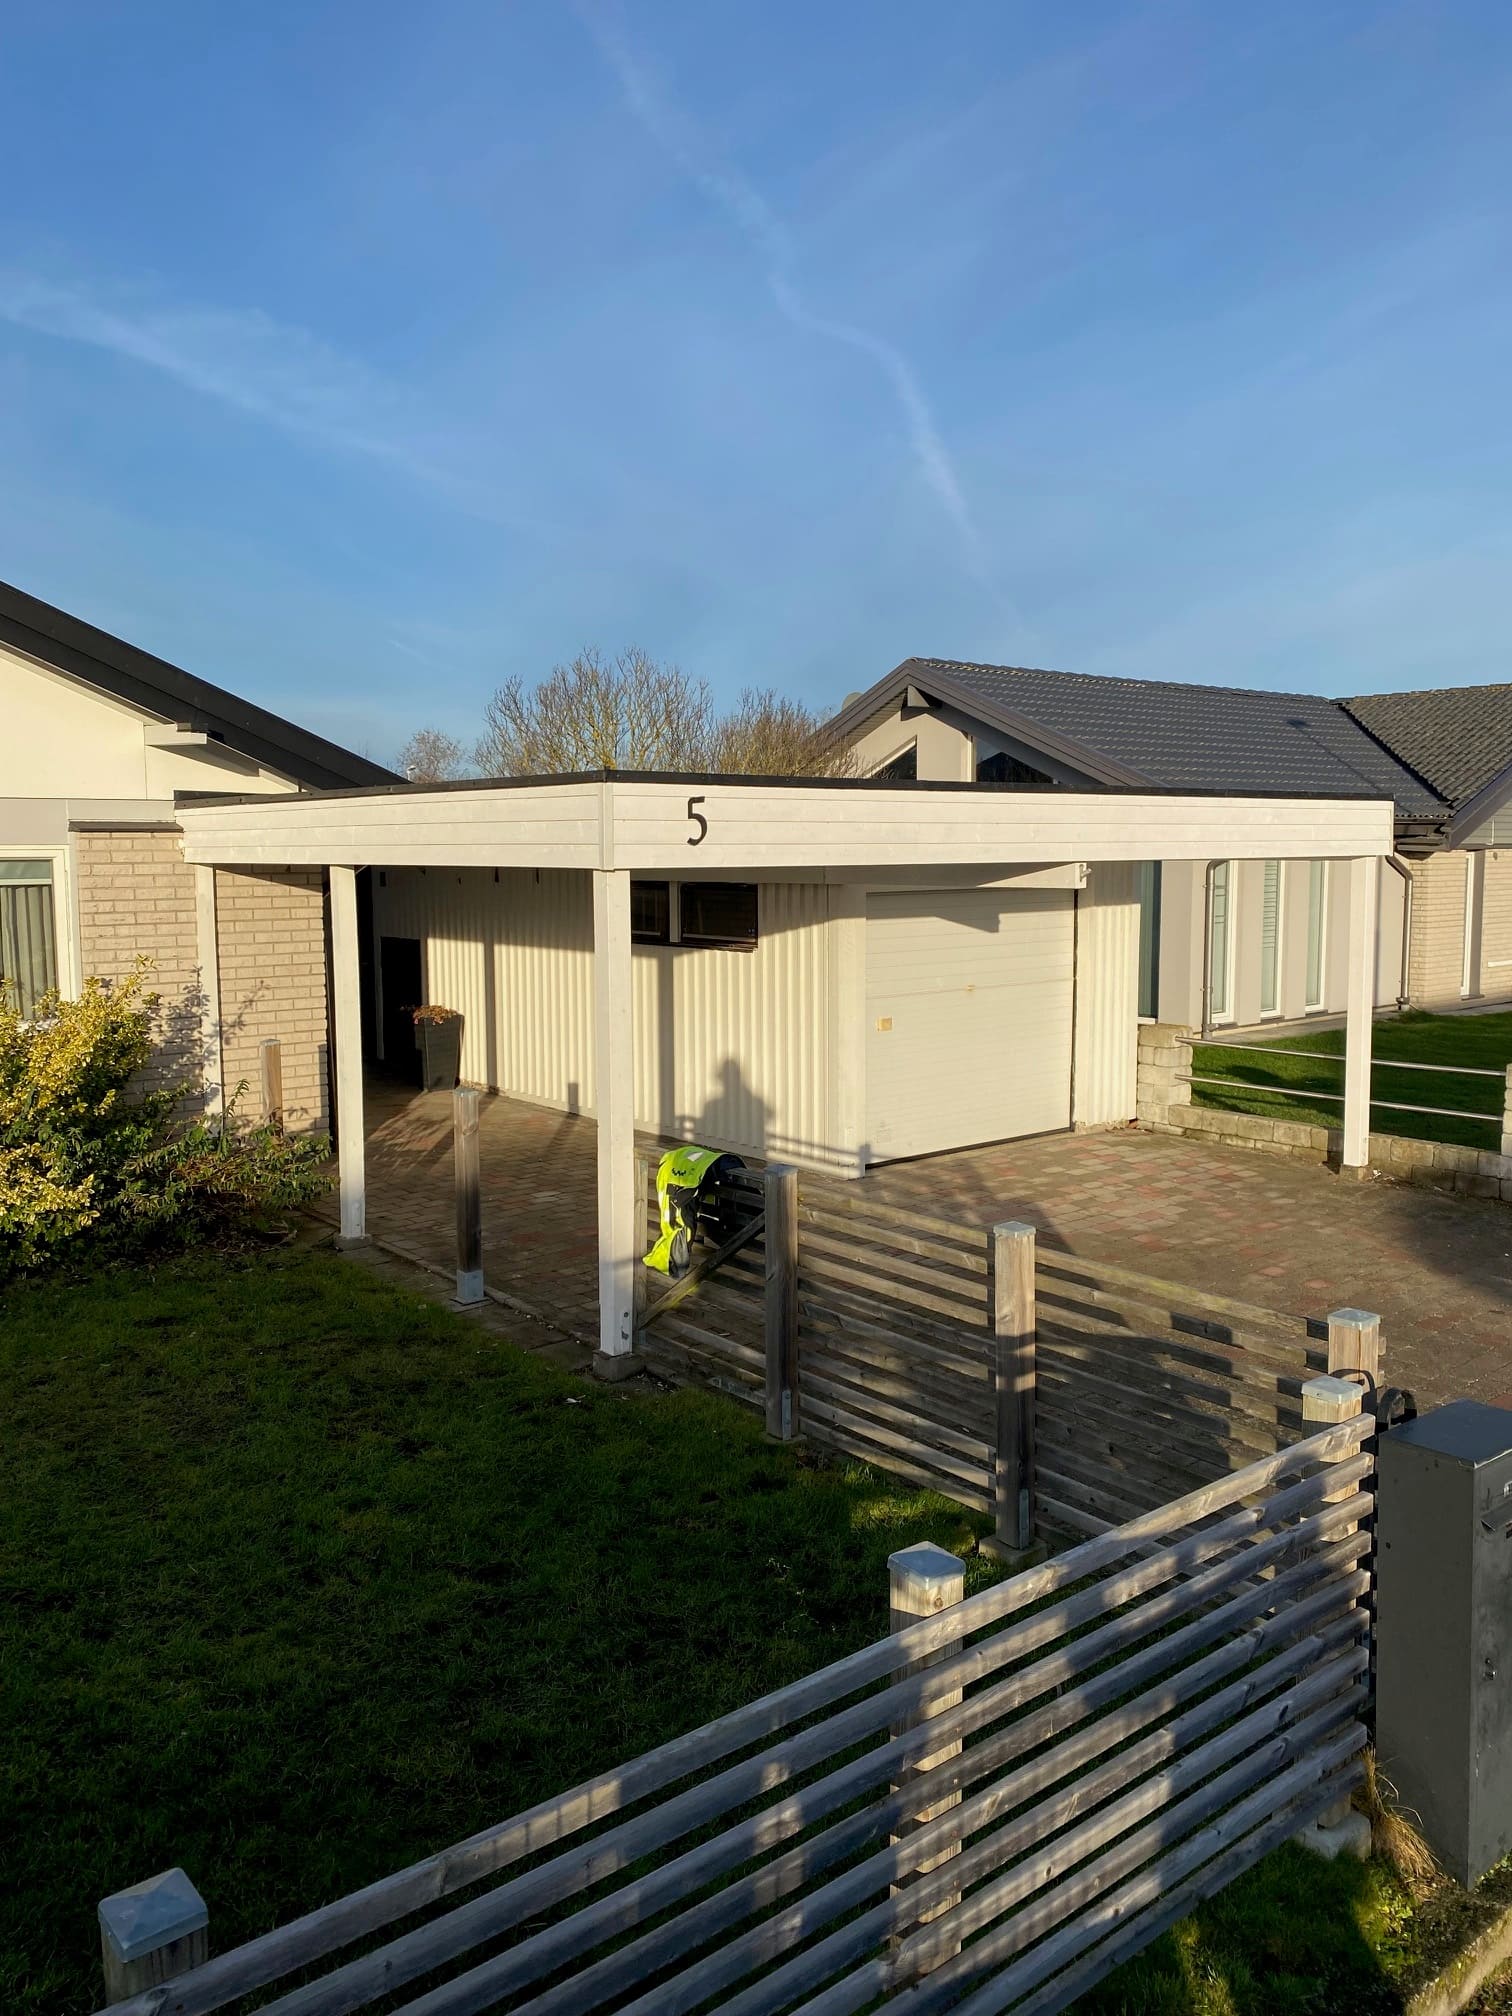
(754, 217)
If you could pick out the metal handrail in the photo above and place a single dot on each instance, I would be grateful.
(1337, 1098)
(1383, 1063)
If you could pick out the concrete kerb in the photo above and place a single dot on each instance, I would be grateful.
(1456, 1984)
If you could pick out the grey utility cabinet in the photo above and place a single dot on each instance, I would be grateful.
(1444, 1630)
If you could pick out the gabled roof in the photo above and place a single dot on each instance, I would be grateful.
(112, 666)
(1161, 732)
(1457, 737)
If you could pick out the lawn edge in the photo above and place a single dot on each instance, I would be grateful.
(1450, 1990)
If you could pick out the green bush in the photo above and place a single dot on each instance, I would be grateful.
(83, 1154)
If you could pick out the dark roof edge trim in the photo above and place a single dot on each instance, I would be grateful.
(921, 672)
(125, 672)
(1477, 809)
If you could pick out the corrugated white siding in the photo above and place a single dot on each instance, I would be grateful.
(1107, 996)
(731, 1048)
(969, 1009)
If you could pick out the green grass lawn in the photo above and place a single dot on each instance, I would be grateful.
(304, 1577)
(1483, 1042)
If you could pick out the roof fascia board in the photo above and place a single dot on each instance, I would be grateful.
(1477, 810)
(913, 672)
(123, 672)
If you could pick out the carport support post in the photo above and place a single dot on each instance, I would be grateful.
(346, 1015)
(469, 1196)
(1013, 1387)
(1359, 1009)
(614, 1098)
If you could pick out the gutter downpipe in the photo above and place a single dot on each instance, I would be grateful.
(1403, 992)
(1207, 948)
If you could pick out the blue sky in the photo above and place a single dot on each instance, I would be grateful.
(360, 356)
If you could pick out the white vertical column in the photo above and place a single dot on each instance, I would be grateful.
(1359, 1006)
(346, 1017)
(614, 1098)
(207, 952)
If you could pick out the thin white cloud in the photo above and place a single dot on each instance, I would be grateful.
(271, 371)
(754, 217)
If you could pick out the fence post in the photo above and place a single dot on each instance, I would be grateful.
(469, 1196)
(922, 1581)
(1339, 1829)
(1354, 1343)
(1011, 1287)
(151, 1933)
(270, 1058)
(1506, 1128)
(780, 1199)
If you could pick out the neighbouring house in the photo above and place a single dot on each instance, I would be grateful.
(1230, 942)
(828, 972)
(1458, 739)
(102, 744)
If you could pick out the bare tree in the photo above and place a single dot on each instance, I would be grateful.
(622, 713)
(431, 756)
(770, 736)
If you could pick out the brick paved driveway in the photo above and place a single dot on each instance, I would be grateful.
(1286, 1235)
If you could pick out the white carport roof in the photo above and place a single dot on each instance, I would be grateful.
(614, 825)
(665, 825)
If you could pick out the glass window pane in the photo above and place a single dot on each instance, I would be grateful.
(1317, 930)
(719, 913)
(1218, 945)
(26, 873)
(650, 913)
(1270, 939)
(1149, 939)
(28, 953)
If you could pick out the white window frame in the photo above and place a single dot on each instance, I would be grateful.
(1278, 962)
(66, 954)
(1319, 877)
(1230, 891)
(1470, 986)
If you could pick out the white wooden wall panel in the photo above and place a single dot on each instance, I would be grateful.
(1107, 996)
(969, 1014)
(731, 1048)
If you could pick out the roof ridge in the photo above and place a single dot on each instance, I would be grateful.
(1128, 679)
(1427, 692)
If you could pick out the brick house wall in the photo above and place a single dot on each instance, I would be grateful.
(135, 898)
(271, 934)
(1437, 961)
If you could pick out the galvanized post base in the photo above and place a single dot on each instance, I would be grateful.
(1013, 1557)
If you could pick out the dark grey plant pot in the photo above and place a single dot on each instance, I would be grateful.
(440, 1047)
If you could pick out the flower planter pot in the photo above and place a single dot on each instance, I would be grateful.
(440, 1047)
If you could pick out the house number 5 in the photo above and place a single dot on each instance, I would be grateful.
(697, 819)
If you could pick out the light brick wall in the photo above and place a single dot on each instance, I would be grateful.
(1436, 962)
(1496, 927)
(270, 926)
(136, 897)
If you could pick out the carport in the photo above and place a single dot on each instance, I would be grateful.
(830, 972)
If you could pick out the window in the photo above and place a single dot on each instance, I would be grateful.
(719, 913)
(1317, 932)
(28, 943)
(1270, 940)
(1221, 944)
(1148, 881)
(900, 769)
(1470, 969)
(1005, 769)
(651, 913)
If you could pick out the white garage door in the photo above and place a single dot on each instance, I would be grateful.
(969, 1008)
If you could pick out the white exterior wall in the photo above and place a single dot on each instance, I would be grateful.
(731, 1048)
(1107, 998)
(1183, 923)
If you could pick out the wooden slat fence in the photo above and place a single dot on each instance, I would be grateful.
(908, 1356)
(984, 1811)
